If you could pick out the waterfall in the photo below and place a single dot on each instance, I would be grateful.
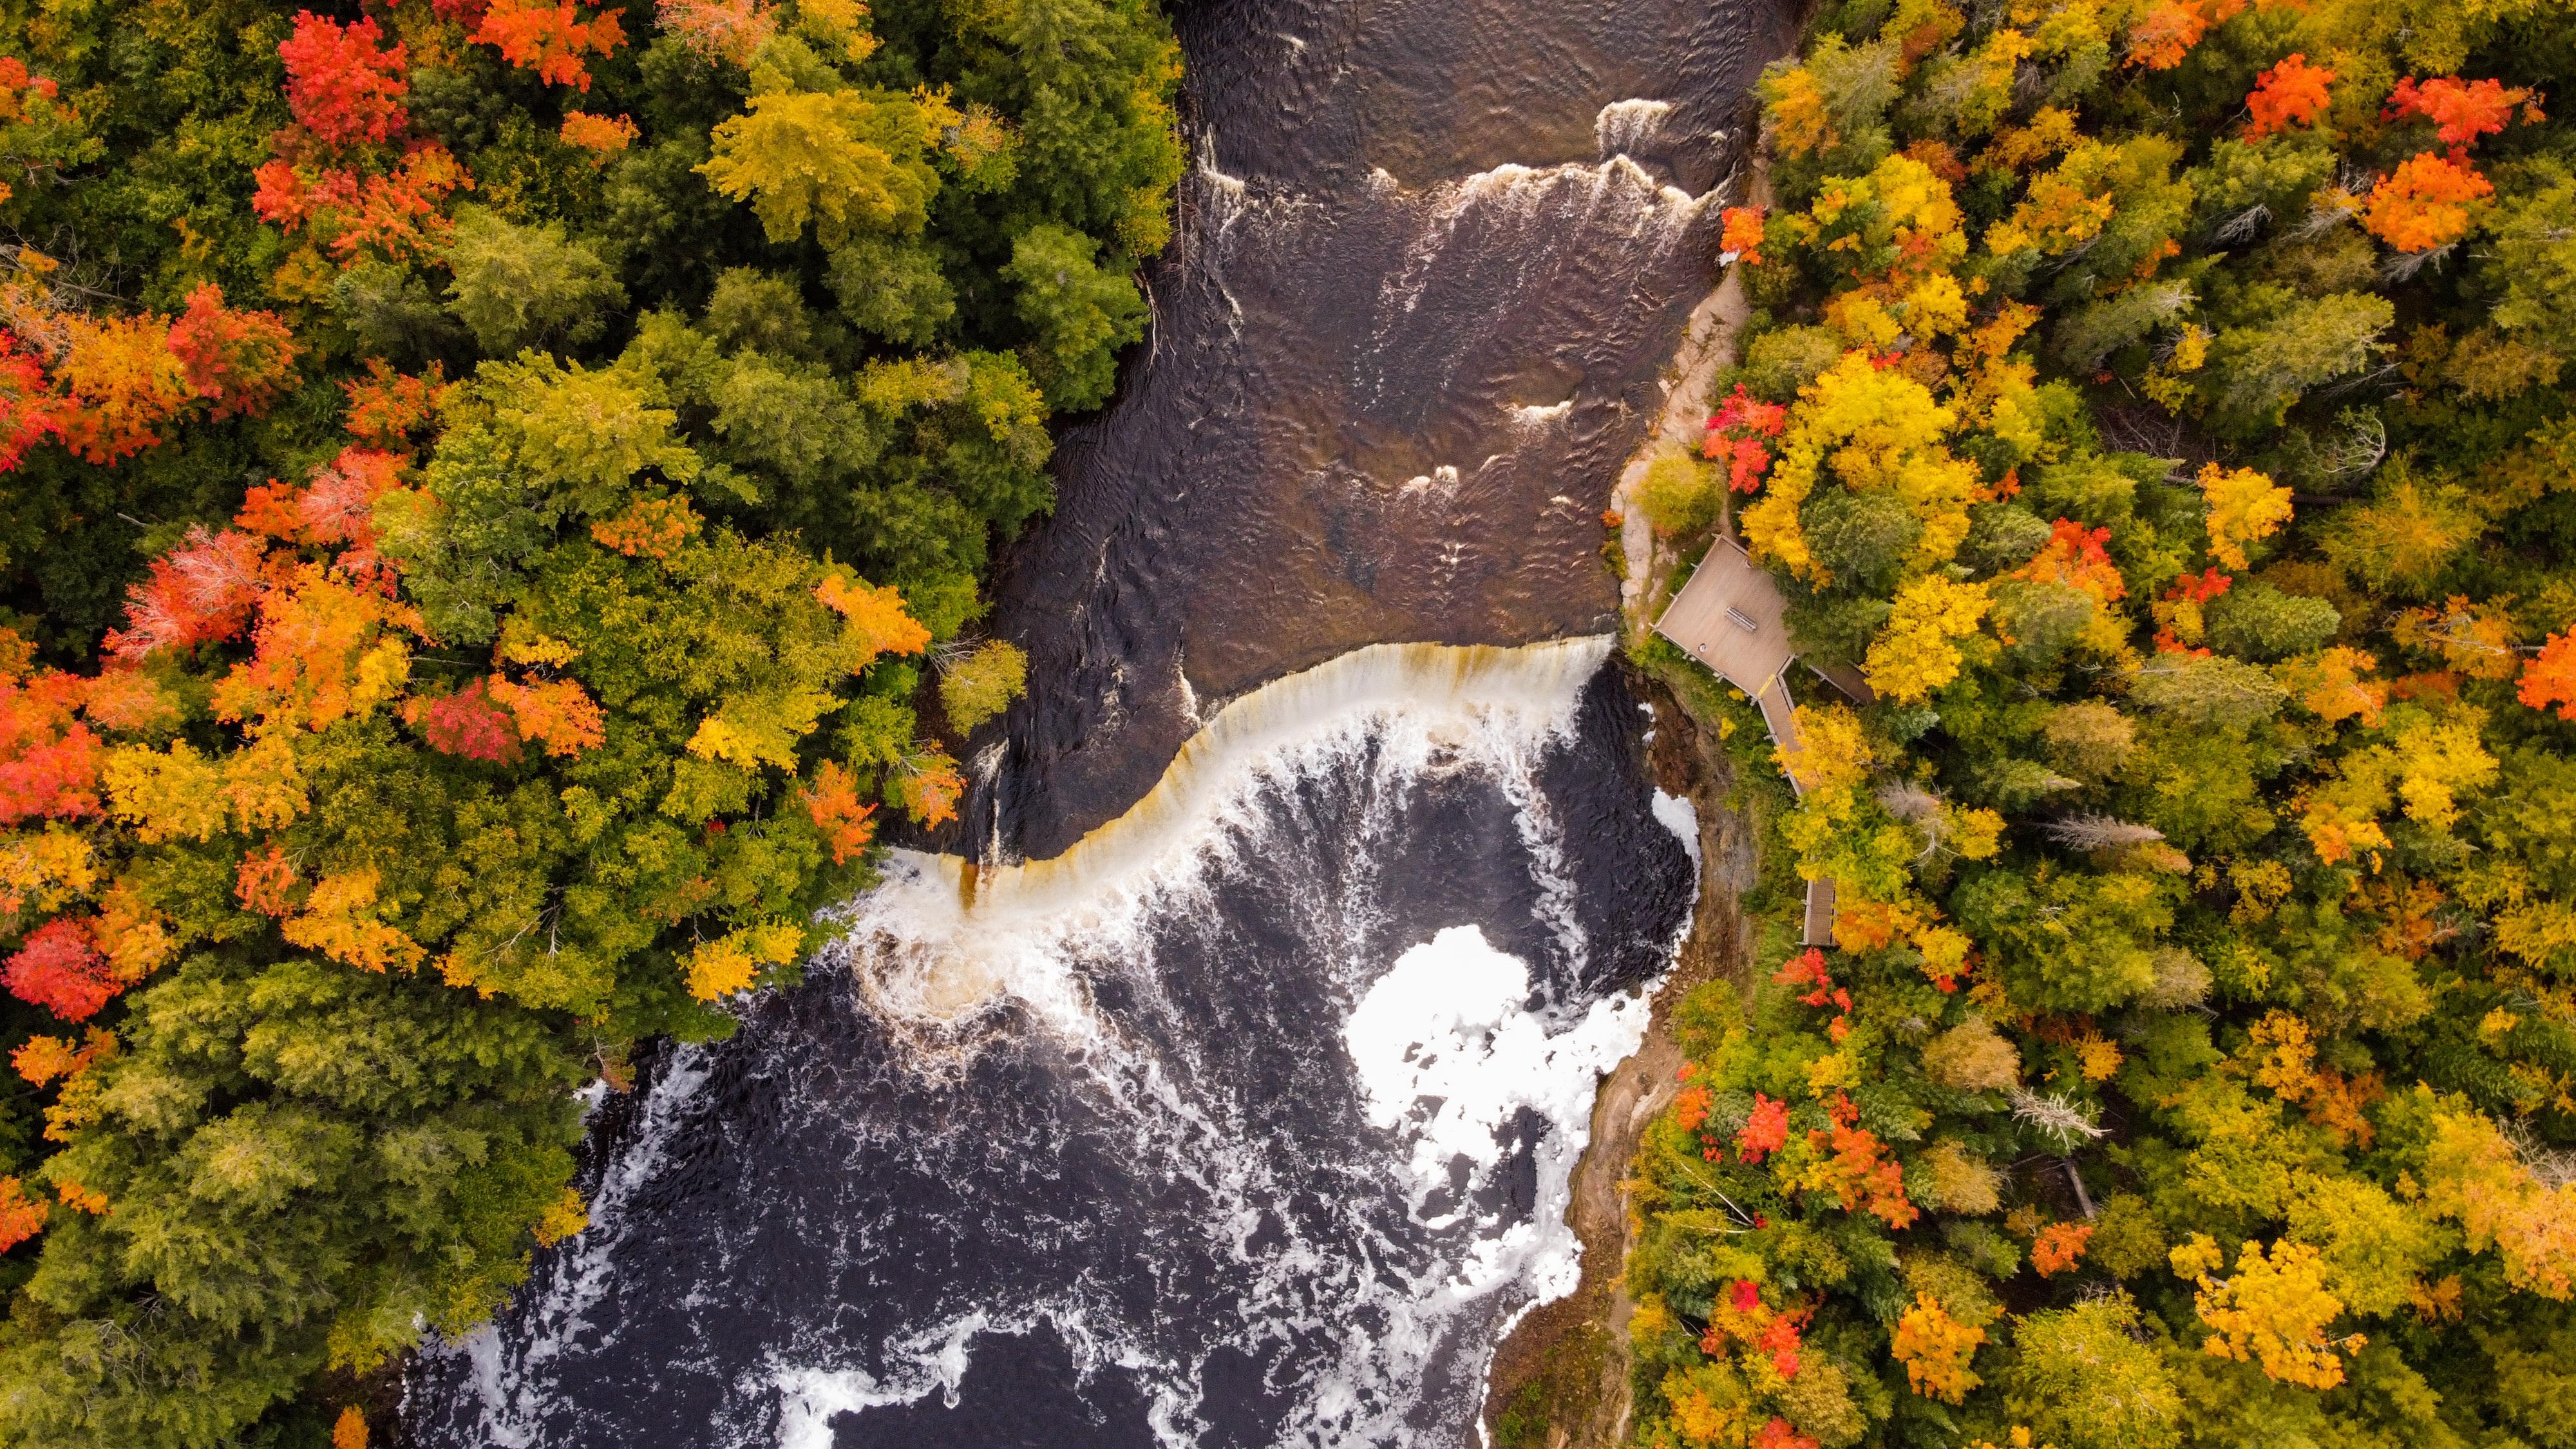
(1288, 1065)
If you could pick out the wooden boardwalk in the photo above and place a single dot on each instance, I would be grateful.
(1728, 617)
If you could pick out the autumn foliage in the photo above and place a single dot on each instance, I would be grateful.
(2153, 417)
(2292, 93)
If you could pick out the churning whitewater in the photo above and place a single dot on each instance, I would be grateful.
(1248, 1121)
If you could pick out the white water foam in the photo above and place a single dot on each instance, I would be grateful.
(1447, 1048)
(1624, 126)
(561, 1316)
(939, 947)
(1677, 815)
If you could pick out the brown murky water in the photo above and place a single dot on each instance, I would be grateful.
(1431, 260)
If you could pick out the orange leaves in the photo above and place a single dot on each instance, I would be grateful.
(21, 1217)
(604, 136)
(1936, 1349)
(2472, 1173)
(49, 763)
(1691, 1107)
(334, 509)
(26, 414)
(1795, 106)
(243, 361)
(2462, 111)
(930, 788)
(265, 882)
(832, 802)
(341, 919)
(2425, 202)
(2173, 27)
(196, 593)
(1766, 1131)
(876, 617)
(1741, 1317)
(1737, 434)
(117, 381)
(554, 713)
(1741, 236)
(2335, 686)
(2059, 1246)
(349, 1431)
(120, 382)
(133, 936)
(2471, 638)
(548, 39)
(320, 655)
(60, 969)
(2550, 677)
(44, 1058)
(339, 86)
(2074, 557)
(728, 30)
(1853, 1165)
(21, 91)
(2292, 93)
(648, 528)
(396, 214)
(386, 408)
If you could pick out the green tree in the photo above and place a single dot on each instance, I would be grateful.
(1080, 315)
(513, 286)
(983, 684)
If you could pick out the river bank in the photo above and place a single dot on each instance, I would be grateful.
(1559, 1380)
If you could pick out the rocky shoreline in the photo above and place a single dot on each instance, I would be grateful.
(1559, 1380)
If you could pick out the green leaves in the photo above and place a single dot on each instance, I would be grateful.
(517, 286)
(1081, 315)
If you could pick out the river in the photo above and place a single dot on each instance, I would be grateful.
(1229, 1097)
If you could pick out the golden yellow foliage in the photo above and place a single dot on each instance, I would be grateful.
(2244, 507)
(1916, 653)
(342, 919)
(1874, 429)
(2273, 1312)
(731, 962)
(564, 1217)
(2473, 1174)
(1935, 1349)
(177, 795)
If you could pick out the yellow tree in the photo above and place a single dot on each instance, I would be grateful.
(1917, 652)
(1872, 429)
(841, 159)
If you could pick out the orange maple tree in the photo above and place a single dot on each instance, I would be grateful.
(2292, 93)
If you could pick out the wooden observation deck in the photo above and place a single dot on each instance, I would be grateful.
(1728, 617)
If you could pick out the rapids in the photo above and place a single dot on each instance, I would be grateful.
(1220, 1082)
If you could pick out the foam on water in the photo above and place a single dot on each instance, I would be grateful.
(1377, 1257)
(1630, 125)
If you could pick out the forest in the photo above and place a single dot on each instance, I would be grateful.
(2160, 404)
(494, 498)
